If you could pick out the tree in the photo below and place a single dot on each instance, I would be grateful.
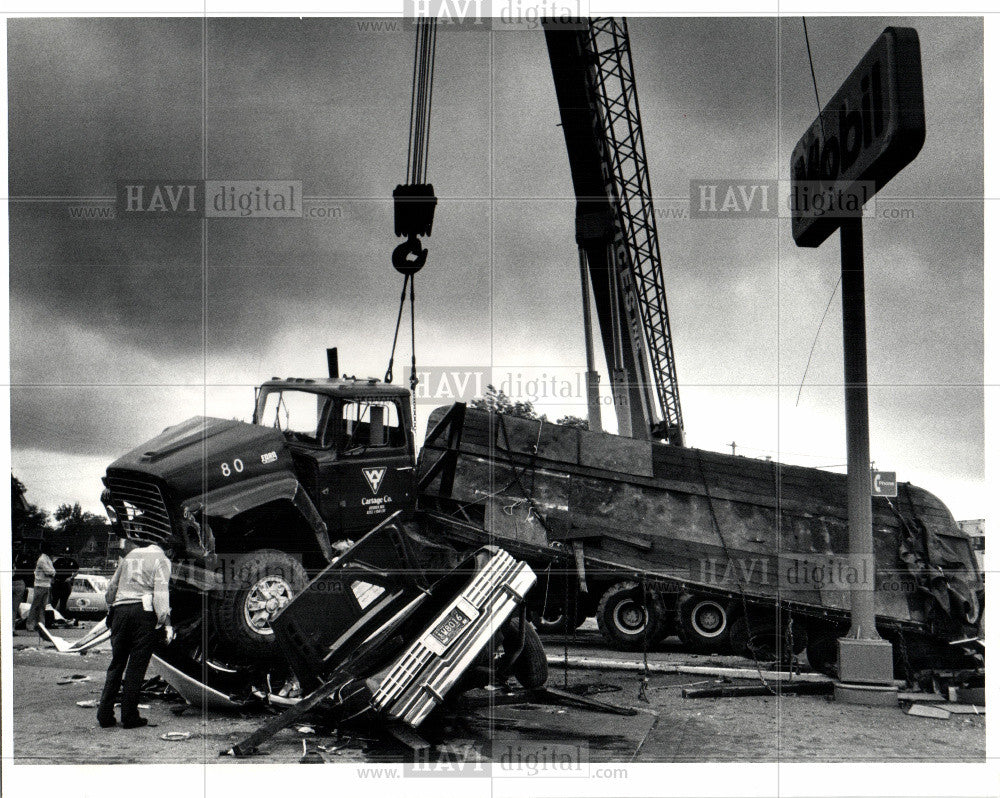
(83, 532)
(28, 522)
(498, 402)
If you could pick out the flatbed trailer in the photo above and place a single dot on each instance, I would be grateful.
(729, 552)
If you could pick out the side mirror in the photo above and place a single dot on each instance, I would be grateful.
(376, 427)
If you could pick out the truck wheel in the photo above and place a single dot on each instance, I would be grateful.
(531, 669)
(261, 584)
(628, 619)
(704, 623)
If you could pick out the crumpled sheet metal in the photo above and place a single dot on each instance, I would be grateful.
(191, 690)
(97, 635)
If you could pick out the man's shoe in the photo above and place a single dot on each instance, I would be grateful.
(134, 723)
(106, 723)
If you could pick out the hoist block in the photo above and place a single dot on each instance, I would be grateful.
(414, 209)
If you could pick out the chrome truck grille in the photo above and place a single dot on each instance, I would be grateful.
(140, 506)
(419, 680)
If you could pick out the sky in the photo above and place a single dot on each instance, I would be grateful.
(121, 327)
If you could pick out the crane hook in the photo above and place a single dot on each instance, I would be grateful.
(409, 257)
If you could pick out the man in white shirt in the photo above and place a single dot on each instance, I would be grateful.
(138, 607)
(44, 571)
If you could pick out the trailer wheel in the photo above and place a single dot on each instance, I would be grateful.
(822, 654)
(764, 639)
(262, 582)
(704, 623)
(557, 620)
(628, 619)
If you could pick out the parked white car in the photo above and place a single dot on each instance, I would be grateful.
(86, 598)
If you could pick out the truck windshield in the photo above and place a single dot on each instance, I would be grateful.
(301, 415)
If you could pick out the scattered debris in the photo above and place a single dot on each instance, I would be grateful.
(595, 688)
(609, 664)
(305, 730)
(971, 695)
(963, 709)
(192, 690)
(98, 634)
(409, 737)
(175, 736)
(280, 700)
(310, 757)
(932, 698)
(927, 711)
(90, 703)
(744, 690)
(74, 679)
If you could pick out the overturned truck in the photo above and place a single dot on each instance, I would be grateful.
(728, 552)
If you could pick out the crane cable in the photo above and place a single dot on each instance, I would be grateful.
(422, 94)
(819, 110)
(414, 201)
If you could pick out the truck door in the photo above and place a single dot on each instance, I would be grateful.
(372, 475)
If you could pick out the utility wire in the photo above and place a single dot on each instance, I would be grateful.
(819, 111)
(815, 339)
(812, 70)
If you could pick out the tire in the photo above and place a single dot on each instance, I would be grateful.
(261, 583)
(705, 623)
(763, 640)
(628, 620)
(755, 639)
(531, 668)
(822, 654)
(556, 620)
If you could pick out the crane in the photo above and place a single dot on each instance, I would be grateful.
(619, 250)
(618, 246)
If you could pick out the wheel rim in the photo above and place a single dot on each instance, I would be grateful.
(630, 617)
(264, 601)
(708, 618)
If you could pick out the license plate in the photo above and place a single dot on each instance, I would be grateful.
(449, 628)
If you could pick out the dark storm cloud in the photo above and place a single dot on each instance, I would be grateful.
(312, 100)
(324, 102)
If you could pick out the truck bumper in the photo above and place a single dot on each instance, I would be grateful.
(420, 679)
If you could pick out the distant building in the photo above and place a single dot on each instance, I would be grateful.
(976, 530)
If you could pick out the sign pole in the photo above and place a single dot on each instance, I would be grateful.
(859, 499)
(864, 658)
(872, 128)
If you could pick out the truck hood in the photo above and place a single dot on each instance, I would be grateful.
(203, 453)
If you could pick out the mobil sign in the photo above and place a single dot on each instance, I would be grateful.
(872, 128)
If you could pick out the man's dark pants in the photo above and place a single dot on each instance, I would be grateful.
(59, 596)
(133, 635)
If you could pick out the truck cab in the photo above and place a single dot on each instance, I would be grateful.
(249, 510)
(351, 444)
